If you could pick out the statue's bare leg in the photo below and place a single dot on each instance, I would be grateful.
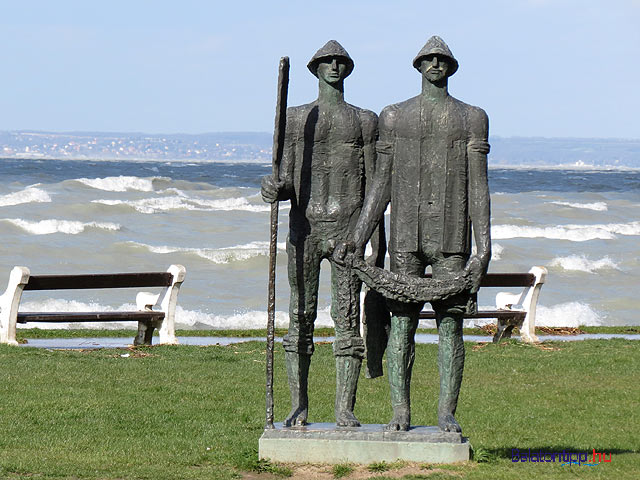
(347, 373)
(348, 346)
(304, 270)
(451, 365)
(400, 356)
(298, 374)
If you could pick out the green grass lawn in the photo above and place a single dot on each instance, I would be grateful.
(179, 412)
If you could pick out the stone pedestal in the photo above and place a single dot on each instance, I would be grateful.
(324, 443)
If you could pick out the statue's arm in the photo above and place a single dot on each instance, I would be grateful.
(479, 198)
(369, 123)
(281, 188)
(289, 154)
(379, 191)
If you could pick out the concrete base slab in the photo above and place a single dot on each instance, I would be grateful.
(326, 443)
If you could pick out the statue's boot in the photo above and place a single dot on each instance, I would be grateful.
(451, 366)
(298, 374)
(400, 356)
(347, 373)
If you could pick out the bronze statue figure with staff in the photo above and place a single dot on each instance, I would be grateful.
(327, 155)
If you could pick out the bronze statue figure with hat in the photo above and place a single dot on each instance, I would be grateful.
(328, 154)
(432, 168)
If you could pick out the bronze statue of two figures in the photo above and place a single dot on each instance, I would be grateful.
(340, 166)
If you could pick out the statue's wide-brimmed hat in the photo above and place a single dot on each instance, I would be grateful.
(436, 46)
(330, 49)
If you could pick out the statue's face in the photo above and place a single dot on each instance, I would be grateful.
(435, 68)
(332, 70)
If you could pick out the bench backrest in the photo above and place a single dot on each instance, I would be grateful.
(102, 280)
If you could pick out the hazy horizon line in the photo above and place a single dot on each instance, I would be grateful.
(257, 132)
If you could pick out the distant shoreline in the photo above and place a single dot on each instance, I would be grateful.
(264, 163)
(255, 147)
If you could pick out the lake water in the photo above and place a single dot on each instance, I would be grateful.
(62, 216)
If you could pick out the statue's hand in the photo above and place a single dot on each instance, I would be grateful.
(342, 250)
(474, 271)
(271, 188)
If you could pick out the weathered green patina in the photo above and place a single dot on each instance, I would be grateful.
(329, 151)
(432, 168)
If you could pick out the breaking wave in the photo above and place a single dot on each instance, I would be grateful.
(574, 233)
(184, 202)
(570, 314)
(28, 195)
(46, 227)
(241, 320)
(597, 206)
(217, 255)
(186, 319)
(496, 251)
(581, 263)
(121, 183)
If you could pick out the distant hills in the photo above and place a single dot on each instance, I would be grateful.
(256, 147)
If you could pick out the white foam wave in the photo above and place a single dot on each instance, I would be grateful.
(184, 202)
(574, 233)
(175, 191)
(241, 320)
(61, 305)
(217, 255)
(597, 206)
(187, 319)
(28, 195)
(496, 251)
(581, 263)
(119, 184)
(570, 314)
(46, 227)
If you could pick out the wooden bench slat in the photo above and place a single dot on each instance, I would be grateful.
(505, 279)
(63, 317)
(102, 280)
(508, 280)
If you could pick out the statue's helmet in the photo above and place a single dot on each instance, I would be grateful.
(330, 49)
(436, 46)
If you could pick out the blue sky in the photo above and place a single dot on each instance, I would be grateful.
(551, 68)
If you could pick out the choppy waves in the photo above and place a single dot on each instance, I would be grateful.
(184, 202)
(28, 195)
(581, 263)
(574, 233)
(217, 255)
(569, 314)
(597, 206)
(70, 227)
(186, 319)
(121, 183)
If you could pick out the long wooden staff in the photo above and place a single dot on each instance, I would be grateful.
(278, 148)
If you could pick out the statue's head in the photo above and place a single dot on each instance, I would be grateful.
(331, 63)
(435, 61)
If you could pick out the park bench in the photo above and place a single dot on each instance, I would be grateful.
(512, 309)
(148, 319)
